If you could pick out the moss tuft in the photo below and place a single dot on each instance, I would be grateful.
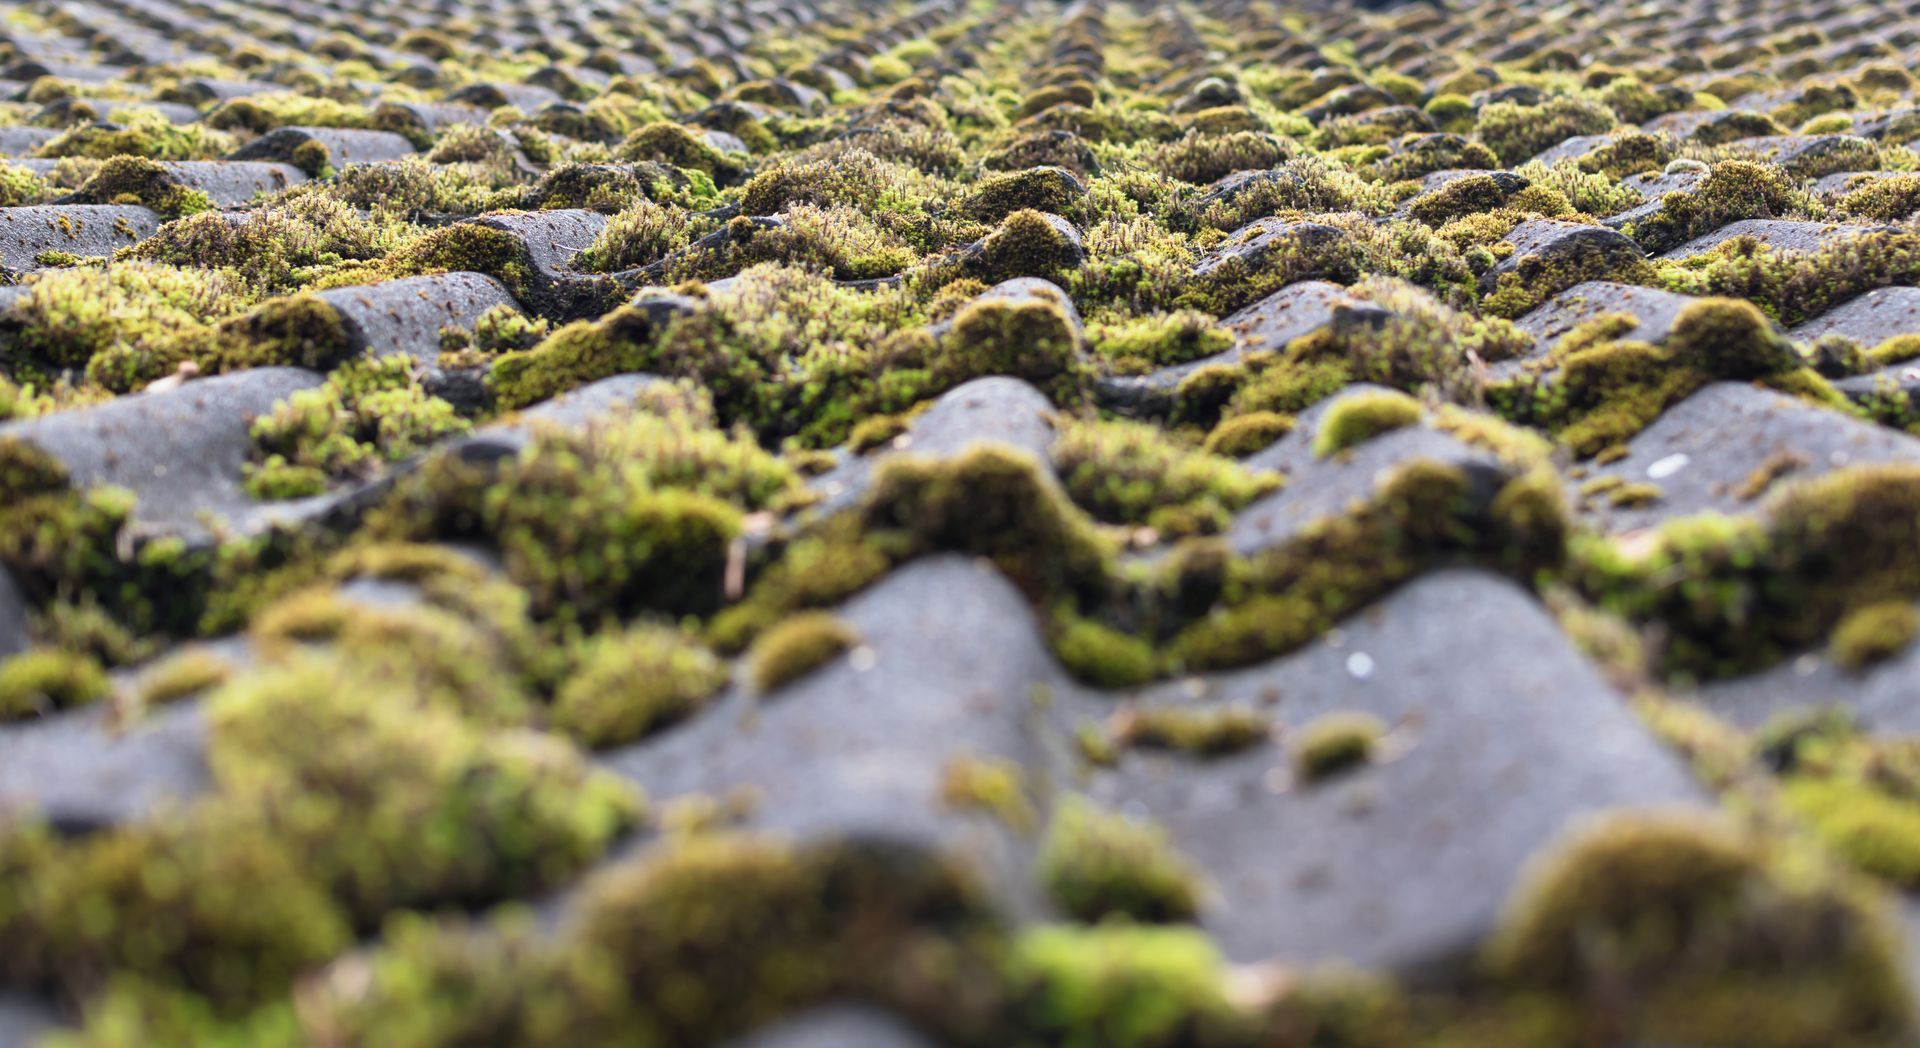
(797, 647)
(1120, 985)
(634, 682)
(1872, 634)
(1335, 742)
(40, 682)
(1363, 416)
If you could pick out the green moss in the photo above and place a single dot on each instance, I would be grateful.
(680, 146)
(1144, 343)
(1766, 951)
(179, 676)
(1030, 337)
(633, 682)
(426, 807)
(127, 323)
(502, 981)
(1873, 634)
(26, 471)
(369, 410)
(193, 901)
(839, 241)
(1131, 473)
(1518, 132)
(1025, 244)
(299, 330)
(1050, 189)
(1096, 864)
(1101, 655)
(1203, 159)
(1733, 190)
(137, 180)
(1795, 285)
(277, 479)
(1212, 730)
(718, 933)
(797, 647)
(1419, 515)
(41, 681)
(1362, 416)
(143, 133)
(642, 233)
(261, 113)
(1246, 434)
(1887, 199)
(1870, 829)
(1118, 985)
(989, 785)
(992, 502)
(1335, 742)
(275, 249)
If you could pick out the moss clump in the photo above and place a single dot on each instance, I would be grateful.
(137, 180)
(1144, 343)
(1888, 199)
(993, 786)
(1203, 159)
(1101, 655)
(718, 933)
(1605, 391)
(682, 147)
(1198, 730)
(796, 648)
(585, 534)
(1363, 416)
(643, 232)
(276, 480)
(141, 133)
(273, 250)
(299, 330)
(428, 805)
(1030, 337)
(1872, 830)
(1097, 864)
(1873, 634)
(1052, 190)
(633, 682)
(839, 241)
(1517, 132)
(179, 676)
(1026, 243)
(1826, 546)
(194, 902)
(1732, 190)
(39, 682)
(1121, 985)
(1132, 473)
(1793, 286)
(26, 471)
(1243, 435)
(1672, 926)
(1420, 514)
(1335, 742)
(368, 411)
(127, 323)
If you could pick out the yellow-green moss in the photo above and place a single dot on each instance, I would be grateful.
(38, 682)
(1873, 634)
(633, 682)
(1097, 864)
(1335, 742)
(1362, 416)
(797, 647)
